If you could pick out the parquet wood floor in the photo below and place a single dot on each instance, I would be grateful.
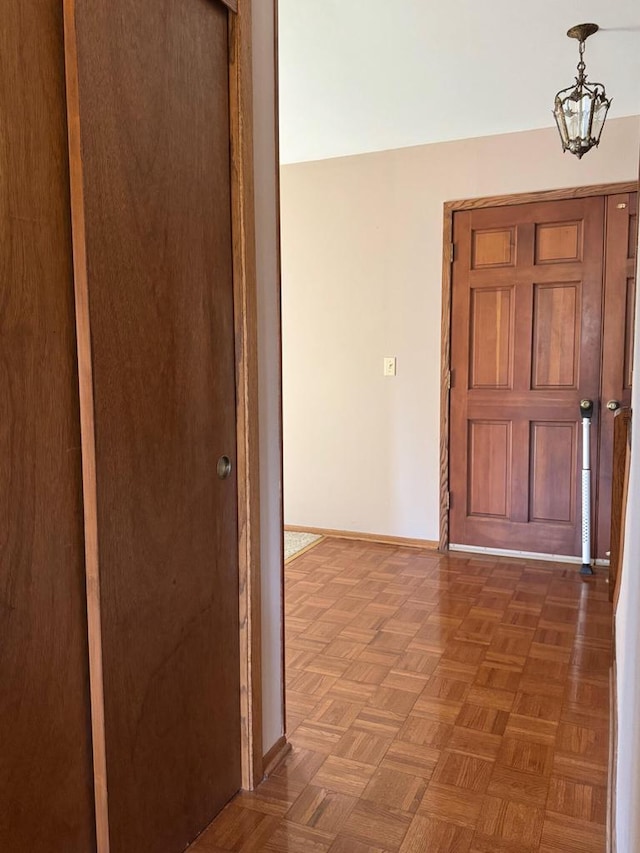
(435, 703)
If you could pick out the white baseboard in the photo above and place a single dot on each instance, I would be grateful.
(523, 555)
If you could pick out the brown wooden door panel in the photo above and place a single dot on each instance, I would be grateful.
(46, 786)
(556, 336)
(629, 329)
(491, 325)
(154, 120)
(526, 309)
(553, 473)
(489, 473)
(559, 242)
(617, 357)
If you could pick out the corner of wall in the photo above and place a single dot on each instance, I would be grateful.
(269, 372)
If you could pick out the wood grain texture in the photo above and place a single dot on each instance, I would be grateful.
(157, 205)
(617, 343)
(493, 248)
(445, 376)
(246, 355)
(544, 195)
(556, 336)
(45, 769)
(629, 332)
(449, 209)
(524, 364)
(491, 344)
(553, 453)
(87, 431)
(423, 719)
(489, 473)
(557, 242)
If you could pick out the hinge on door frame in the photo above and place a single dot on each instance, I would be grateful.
(447, 500)
(448, 380)
(452, 252)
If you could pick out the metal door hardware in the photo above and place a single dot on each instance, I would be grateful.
(224, 467)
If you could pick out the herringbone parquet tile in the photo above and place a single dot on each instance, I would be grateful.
(435, 703)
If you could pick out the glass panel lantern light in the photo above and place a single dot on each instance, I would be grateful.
(580, 110)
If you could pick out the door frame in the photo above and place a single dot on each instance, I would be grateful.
(246, 385)
(245, 296)
(451, 207)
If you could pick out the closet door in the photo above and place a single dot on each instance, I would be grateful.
(46, 787)
(153, 111)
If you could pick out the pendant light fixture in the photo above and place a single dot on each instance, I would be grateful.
(580, 110)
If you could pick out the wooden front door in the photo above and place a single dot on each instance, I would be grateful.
(525, 348)
(154, 125)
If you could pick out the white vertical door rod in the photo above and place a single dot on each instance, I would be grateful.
(586, 413)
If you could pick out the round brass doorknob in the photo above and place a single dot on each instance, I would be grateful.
(613, 405)
(224, 467)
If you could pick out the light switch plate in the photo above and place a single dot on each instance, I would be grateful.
(390, 366)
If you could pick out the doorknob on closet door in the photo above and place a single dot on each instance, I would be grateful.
(224, 467)
(613, 405)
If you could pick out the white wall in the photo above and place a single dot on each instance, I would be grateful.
(371, 75)
(362, 272)
(628, 648)
(265, 154)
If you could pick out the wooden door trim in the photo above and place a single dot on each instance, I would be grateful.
(543, 195)
(246, 347)
(451, 207)
(87, 429)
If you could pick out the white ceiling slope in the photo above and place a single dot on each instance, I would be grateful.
(368, 75)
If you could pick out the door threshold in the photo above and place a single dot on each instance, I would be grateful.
(523, 555)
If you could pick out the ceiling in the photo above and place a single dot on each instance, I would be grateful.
(369, 75)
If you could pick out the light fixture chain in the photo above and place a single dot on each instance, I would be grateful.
(582, 67)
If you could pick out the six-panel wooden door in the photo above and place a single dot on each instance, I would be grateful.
(528, 288)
